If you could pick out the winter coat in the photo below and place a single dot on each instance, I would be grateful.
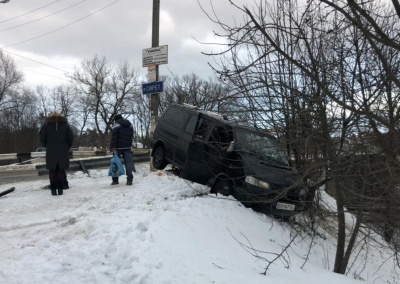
(121, 135)
(56, 135)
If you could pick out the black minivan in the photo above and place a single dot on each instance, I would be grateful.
(230, 158)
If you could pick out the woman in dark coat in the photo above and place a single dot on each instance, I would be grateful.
(56, 135)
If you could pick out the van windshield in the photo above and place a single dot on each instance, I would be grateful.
(260, 145)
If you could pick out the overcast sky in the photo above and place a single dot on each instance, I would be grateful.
(62, 33)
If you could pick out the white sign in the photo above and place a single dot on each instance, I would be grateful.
(155, 55)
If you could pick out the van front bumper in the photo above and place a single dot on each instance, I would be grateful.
(268, 202)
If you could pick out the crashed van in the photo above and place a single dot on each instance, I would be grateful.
(231, 159)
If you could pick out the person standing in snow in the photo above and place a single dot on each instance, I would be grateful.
(121, 145)
(56, 135)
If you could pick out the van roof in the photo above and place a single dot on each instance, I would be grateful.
(218, 116)
(206, 112)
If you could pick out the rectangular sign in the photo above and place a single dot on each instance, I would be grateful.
(155, 55)
(152, 88)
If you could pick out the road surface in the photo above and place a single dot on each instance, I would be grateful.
(18, 175)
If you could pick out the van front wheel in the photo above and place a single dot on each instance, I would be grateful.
(224, 187)
(159, 161)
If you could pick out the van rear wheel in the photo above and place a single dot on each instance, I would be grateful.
(224, 187)
(159, 161)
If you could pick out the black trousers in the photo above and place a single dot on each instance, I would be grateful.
(57, 176)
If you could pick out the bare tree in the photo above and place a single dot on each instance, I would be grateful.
(110, 91)
(19, 125)
(91, 81)
(141, 119)
(10, 78)
(191, 89)
(82, 112)
(312, 75)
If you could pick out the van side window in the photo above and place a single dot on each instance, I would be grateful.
(221, 137)
(191, 124)
(202, 128)
(176, 117)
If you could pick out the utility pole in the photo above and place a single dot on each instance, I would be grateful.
(154, 98)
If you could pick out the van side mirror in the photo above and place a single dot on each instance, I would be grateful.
(230, 148)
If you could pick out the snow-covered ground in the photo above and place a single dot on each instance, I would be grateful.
(162, 229)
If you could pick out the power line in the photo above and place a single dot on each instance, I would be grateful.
(29, 12)
(35, 61)
(41, 63)
(80, 19)
(43, 17)
(45, 74)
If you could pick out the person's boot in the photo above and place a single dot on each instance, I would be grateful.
(114, 181)
(60, 187)
(53, 188)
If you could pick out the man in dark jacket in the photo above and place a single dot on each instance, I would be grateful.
(56, 135)
(121, 145)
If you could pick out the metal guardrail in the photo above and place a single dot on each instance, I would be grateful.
(139, 155)
(29, 155)
(23, 157)
(10, 156)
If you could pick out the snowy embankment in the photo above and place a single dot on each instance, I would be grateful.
(162, 229)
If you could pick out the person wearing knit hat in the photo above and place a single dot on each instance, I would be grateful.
(121, 145)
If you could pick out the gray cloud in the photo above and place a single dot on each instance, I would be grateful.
(118, 32)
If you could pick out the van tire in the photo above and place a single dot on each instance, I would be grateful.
(224, 187)
(159, 161)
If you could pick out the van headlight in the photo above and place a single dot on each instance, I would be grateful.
(256, 182)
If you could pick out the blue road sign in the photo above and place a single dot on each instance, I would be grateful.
(152, 88)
